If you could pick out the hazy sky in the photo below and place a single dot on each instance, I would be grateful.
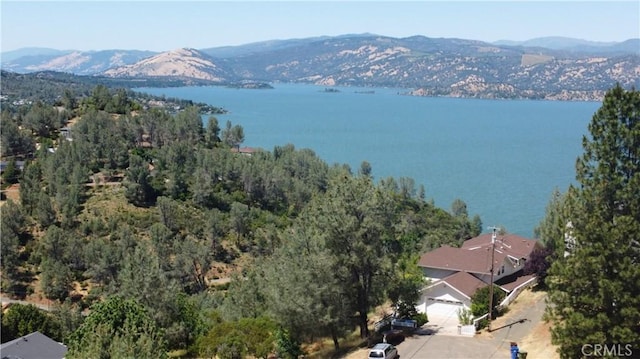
(166, 25)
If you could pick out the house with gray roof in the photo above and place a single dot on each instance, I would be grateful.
(33, 346)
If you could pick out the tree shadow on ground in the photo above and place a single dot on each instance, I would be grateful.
(520, 321)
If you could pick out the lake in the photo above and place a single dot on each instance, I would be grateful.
(503, 158)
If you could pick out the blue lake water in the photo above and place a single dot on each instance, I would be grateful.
(503, 158)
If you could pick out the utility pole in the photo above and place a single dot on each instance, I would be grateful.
(493, 244)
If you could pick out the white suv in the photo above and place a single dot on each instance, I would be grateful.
(383, 351)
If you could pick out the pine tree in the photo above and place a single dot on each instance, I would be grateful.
(595, 291)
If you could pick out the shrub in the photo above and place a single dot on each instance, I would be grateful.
(480, 301)
(464, 316)
(421, 318)
(482, 323)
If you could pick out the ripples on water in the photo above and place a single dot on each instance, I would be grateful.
(502, 157)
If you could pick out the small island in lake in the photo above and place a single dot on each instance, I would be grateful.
(251, 85)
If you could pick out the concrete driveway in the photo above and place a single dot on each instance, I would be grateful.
(437, 346)
(442, 324)
(438, 339)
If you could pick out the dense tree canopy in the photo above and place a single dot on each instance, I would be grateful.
(20, 320)
(145, 215)
(117, 327)
(595, 290)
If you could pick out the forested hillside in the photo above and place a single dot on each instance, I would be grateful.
(169, 240)
(55, 87)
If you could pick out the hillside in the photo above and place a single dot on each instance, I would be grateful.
(77, 62)
(135, 207)
(443, 67)
(51, 87)
(180, 63)
(549, 68)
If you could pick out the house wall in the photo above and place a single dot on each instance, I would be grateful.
(440, 293)
(435, 275)
(500, 271)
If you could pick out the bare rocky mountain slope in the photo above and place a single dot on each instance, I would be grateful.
(181, 63)
(424, 66)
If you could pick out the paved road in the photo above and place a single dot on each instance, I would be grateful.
(439, 346)
(46, 307)
(513, 326)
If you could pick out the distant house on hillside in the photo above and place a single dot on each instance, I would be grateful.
(65, 132)
(456, 273)
(33, 346)
(248, 151)
(19, 165)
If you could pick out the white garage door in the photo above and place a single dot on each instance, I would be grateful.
(442, 308)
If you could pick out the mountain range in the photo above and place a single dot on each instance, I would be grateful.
(545, 68)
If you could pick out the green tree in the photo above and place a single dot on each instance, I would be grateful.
(236, 340)
(177, 160)
(68, 316)
(287, 347)
(233, 136)
(11, 172)
(354, 219)
(69, 100)
(404, 290)
(246, 296)
(113, 321)
(45, 214)
(100, 98)
(104, 260)
(239, 220)
(595, 291)
(119, 103)
(30, 187)
(13, 139)
(556, 224)
(365, 169)
(188, 125)
(192, 262)
(480, 301)
(41, 119)
(138, 182)
(21, 320)
(459, 208)
(301, 288)
(53, 244)
(13, 228)
(212, 133)
(56, 279)
(162, 240)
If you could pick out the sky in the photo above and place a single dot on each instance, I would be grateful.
(167, 25)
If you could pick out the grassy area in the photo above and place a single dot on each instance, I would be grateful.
(324, 349)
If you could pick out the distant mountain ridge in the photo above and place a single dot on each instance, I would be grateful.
(9, 56)
(76, 62)
(572, 70)
(577, 45)
(180, 63)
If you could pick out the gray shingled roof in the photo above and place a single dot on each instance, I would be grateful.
(33, 346)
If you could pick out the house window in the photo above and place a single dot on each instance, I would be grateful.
(502, 269)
